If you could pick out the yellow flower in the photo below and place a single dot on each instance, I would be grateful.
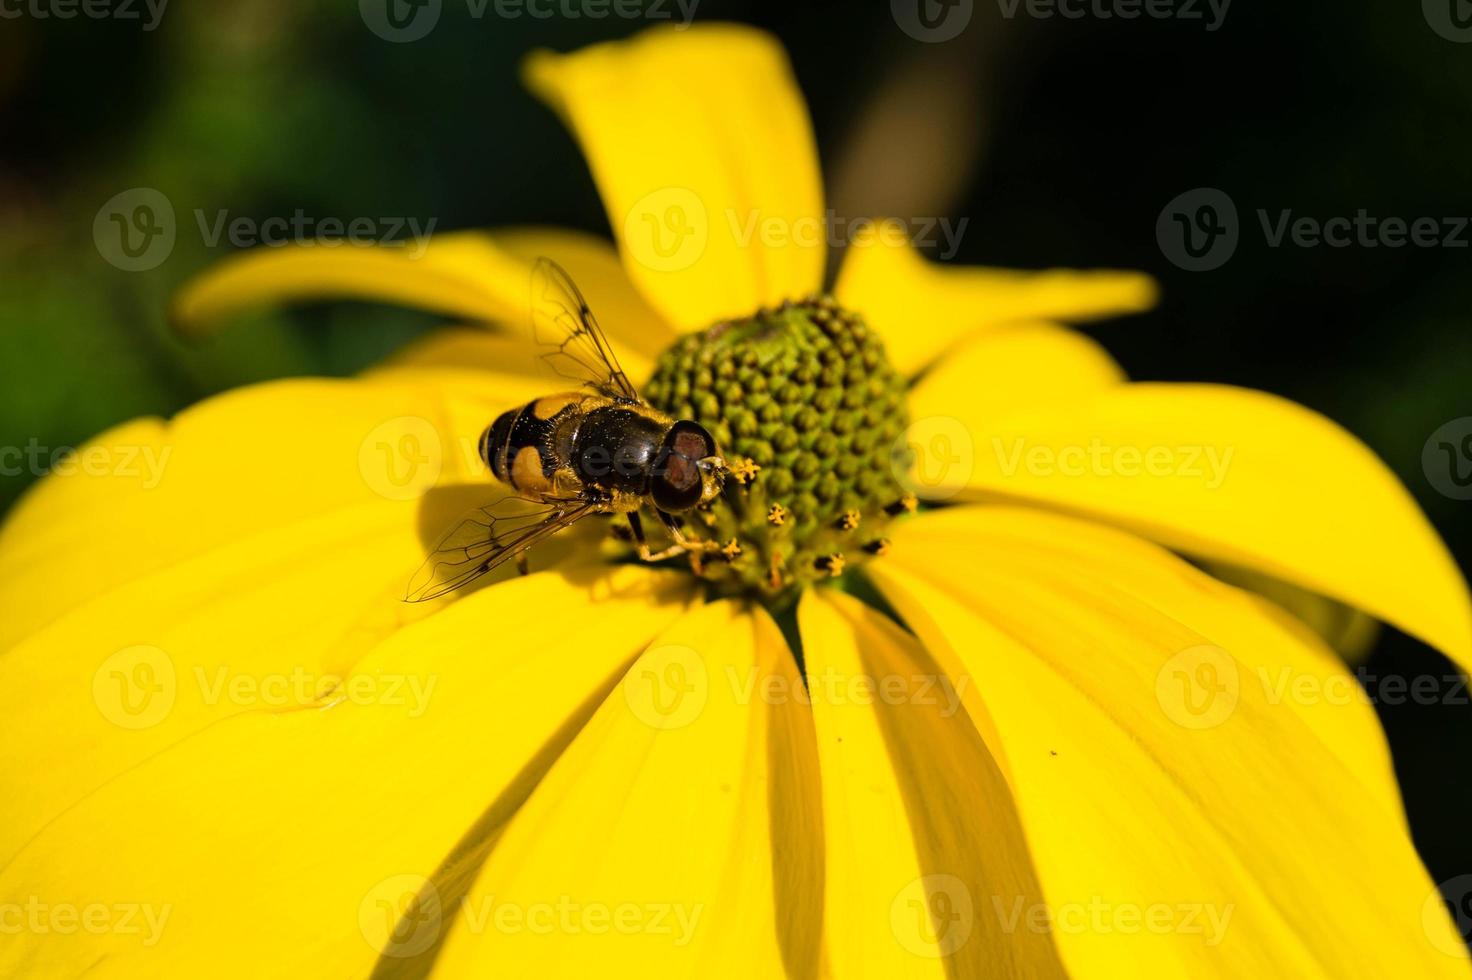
(230, 749)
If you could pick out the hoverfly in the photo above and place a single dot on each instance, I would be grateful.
(600, 449)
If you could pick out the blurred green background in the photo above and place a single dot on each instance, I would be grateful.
(1060, 140)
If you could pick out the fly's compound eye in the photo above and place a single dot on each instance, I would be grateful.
(678, 484)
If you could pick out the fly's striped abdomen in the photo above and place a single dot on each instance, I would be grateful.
(495, 440)
(526, 446)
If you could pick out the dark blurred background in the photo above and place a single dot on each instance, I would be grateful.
(1059, 139)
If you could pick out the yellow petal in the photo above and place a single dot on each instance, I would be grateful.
(1277, 647)
(250, 552)
(312, 821)
(700, 143)
(1014, 366)
(652, 847)
(633, 325)
(476, 276)
(921, 308)
(463, 353)
(463, 274)
(1348, 631)
(919, 825)
(1223, 473)
(1134, 700)
(241, 471)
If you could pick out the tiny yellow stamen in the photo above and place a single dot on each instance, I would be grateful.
(879, 546)
(905, 505)
(745, 470)
(731, 549)
(849, 521)
(777, 515)
(832, 564)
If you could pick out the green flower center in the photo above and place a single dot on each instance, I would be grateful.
(805, 408)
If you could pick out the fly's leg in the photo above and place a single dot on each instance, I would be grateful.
(642, 545)
(681, 546)
(696, 549)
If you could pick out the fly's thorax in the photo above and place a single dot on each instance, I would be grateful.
(804, 407)
(614, 447)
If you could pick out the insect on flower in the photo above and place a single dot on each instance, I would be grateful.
(599, 449)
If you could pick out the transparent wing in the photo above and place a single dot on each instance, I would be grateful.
(562, 321)
(486, 538)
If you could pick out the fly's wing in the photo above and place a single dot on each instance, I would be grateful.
(488, 537)
(563, 323)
